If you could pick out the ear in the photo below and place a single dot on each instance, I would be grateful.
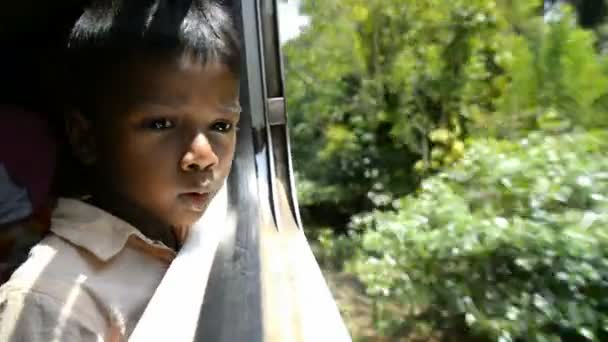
(81, 136)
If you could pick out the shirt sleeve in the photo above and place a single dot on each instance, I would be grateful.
(36, 317)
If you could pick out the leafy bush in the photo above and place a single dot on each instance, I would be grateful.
(510, 244)
(333, 250)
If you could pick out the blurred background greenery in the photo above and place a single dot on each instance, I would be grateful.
(452, 165)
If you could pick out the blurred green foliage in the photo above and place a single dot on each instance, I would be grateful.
(333, 251)
(509, 244)
(383, 93)
(468, 141)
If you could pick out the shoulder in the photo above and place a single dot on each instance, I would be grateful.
(48, 287)
(29, 314)
(54, 262)
(62, 278)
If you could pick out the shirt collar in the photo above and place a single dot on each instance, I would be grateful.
(96, 230)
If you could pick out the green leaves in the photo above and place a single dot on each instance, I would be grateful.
(558, 80)
(510, 243)
(403, 83)
(459, 127)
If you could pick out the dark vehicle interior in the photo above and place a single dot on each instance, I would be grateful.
(250, 275)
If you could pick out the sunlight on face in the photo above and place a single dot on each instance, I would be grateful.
(169, 144)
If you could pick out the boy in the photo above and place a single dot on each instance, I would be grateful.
(153, 129)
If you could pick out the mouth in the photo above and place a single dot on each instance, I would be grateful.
(196, 201)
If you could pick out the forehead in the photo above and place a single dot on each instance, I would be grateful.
(174, 81)
(182, 76)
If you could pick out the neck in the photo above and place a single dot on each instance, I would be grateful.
(144, 221)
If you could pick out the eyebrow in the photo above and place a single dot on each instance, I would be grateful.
(235, 109)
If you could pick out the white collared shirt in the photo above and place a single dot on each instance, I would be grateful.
(89, 280)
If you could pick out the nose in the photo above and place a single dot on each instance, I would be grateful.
(200, 155)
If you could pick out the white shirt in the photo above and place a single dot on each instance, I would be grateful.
(89, 280)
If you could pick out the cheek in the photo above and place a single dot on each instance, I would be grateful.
(142, 162)
(226, 156)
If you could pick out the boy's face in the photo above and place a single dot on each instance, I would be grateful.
(168, 144)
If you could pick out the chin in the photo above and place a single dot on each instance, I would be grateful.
(184, 223)
(188, 219)
(182, 230)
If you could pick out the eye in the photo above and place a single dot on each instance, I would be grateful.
(222, 127)
(159, 124)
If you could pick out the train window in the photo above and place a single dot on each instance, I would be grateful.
(451, 162)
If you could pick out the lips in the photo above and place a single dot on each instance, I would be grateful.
(197, 201)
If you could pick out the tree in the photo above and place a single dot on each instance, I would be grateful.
(383, 93)
(590, 13)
